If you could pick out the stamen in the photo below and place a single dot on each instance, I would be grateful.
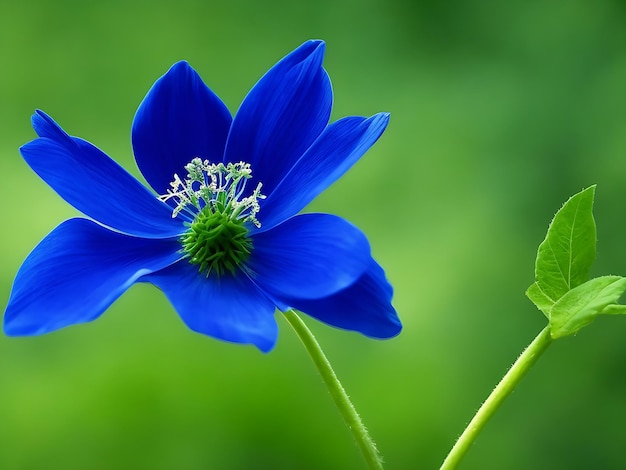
(217, 185)
(217, 240)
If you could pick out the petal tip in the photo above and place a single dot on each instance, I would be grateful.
(311, 50)
(180, 65)
(45, 126)
(318, 44)
(40, 114)
(266, 346)
(394, 329)
(381, 119)
(7, 328)
(388, 328)
(13, 327)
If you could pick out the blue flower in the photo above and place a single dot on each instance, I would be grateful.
(220, 237)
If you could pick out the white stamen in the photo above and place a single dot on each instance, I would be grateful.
(219, 186)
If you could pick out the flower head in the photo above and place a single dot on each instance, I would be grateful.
(220, 235)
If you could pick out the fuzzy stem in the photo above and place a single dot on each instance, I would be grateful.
(508, 383)
(352, 419)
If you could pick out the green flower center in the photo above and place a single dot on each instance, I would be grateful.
(218, 239)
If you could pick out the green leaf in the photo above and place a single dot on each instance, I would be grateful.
(564, 258)
(579, 307)
(540, 299)
(614, 310)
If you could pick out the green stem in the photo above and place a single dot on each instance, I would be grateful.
(352, 419)
(508, 383)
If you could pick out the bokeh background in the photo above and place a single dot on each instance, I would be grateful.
(500, 112)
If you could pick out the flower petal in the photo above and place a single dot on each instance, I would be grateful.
(94, 184)
(76, 273)
(333, 153)
(179, 119)
(229, 308)
(308, 256)
(365, 306)
(282, 115)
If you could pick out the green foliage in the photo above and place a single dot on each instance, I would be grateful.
(562, 290)
(578, 307)
(540, 299)
(564, 258)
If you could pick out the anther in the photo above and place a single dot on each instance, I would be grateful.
(218, 237)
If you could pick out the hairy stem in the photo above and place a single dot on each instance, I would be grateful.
(508, 383)
(352, 419)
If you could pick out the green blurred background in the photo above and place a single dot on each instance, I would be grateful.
(500, 112)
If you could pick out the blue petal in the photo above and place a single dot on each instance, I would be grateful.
(230, 308)
(338, 148)
(365, 306)
(308, 256)
(179, 119)
(282, 115)
(94, 184)
(76, 272)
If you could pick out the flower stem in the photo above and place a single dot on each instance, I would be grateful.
(508, 383)
(352, 419)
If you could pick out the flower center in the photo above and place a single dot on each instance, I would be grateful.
(218, 239)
